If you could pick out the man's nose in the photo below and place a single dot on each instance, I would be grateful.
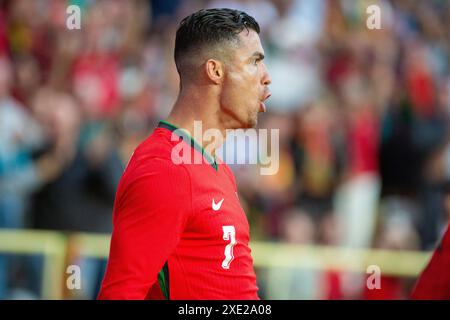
(266, 80)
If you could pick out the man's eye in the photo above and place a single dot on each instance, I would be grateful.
(255, 61)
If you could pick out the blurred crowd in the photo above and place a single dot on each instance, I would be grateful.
(363, 116)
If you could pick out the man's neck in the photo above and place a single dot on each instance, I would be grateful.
(196, 118)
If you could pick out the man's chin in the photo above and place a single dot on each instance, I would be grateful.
(252, 123)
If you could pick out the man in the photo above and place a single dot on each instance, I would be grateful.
(434, 282)
(179, 230)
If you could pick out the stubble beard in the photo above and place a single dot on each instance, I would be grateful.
(252, 118)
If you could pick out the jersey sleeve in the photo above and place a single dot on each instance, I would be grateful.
(434, 282)
(149, 216)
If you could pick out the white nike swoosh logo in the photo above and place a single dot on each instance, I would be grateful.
(216, 206)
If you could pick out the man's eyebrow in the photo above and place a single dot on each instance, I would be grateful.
(258, 55)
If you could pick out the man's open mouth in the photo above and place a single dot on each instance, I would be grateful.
(262, 105)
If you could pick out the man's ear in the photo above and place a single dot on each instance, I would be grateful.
(214, 70)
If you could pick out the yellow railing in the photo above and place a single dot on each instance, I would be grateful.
(54, 247)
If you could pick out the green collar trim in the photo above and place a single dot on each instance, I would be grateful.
(186, 137)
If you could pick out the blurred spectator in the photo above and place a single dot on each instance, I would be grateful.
(396, 232)
(20, 174)
(295, 283)
(329, 234)
(357, 197)
(82, 196)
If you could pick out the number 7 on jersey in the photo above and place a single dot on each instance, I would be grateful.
(229, 234)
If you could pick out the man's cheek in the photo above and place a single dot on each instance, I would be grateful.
(250, 70)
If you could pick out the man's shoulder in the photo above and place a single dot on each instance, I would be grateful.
(153, 155)
(157, 145)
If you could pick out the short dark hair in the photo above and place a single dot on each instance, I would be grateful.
(208, 28)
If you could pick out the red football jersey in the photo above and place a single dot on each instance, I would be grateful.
(434, 283)
(181, 224)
